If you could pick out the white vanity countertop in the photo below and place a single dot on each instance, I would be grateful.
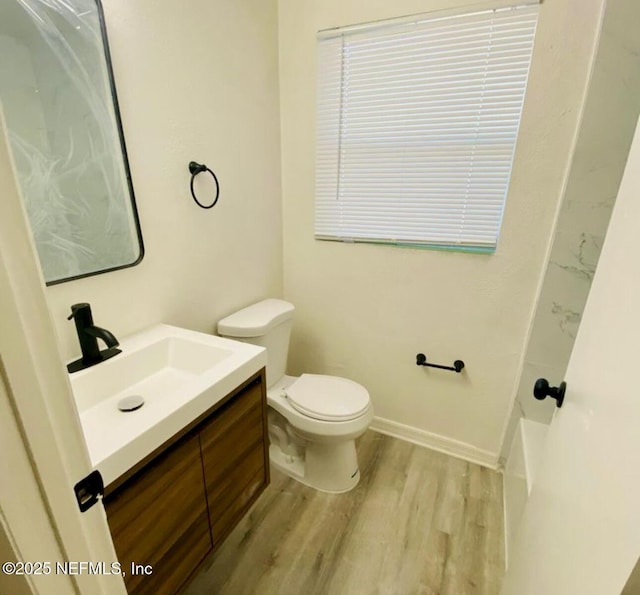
(179, 373)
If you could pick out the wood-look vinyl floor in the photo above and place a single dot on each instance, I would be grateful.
(419, 522)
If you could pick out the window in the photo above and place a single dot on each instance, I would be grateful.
(417, 123)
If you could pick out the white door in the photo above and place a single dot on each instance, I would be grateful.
(42, 449)
(580, 532)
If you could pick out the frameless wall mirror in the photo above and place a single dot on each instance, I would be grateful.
(59, 102)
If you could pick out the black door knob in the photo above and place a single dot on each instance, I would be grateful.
(541, 390)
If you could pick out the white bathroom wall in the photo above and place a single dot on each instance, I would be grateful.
(364, 311)
(195, 81)
(610, 115)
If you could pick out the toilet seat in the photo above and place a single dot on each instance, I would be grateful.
(327, 398)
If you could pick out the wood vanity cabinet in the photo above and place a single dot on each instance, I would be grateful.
(180, 503)
(159, 517)
(235, 460)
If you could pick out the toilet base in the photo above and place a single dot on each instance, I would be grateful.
(326, 467)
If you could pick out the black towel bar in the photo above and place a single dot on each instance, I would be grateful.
(421, 360)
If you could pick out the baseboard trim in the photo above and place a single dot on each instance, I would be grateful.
(460, 450)
(505, 526)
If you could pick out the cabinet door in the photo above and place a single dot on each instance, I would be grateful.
(234, 455)
(159, 517)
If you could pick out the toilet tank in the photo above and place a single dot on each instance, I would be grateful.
(268, 324)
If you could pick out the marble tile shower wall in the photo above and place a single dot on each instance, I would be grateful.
(609, 120)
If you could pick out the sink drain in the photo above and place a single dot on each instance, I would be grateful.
(130, 403)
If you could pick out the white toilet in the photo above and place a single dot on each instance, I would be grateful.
(313, 419)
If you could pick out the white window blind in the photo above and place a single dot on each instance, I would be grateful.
(417, 124)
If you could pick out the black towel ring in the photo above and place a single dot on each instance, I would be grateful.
(195, 169)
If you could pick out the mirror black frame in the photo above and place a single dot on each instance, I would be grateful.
(125, 158)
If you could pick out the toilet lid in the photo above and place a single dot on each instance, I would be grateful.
(328, 398)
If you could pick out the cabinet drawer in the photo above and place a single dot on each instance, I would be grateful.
(159, 517)
(234, 458)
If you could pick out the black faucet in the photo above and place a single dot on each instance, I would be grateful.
(88, 335)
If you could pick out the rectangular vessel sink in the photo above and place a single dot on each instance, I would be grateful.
(180, 374)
